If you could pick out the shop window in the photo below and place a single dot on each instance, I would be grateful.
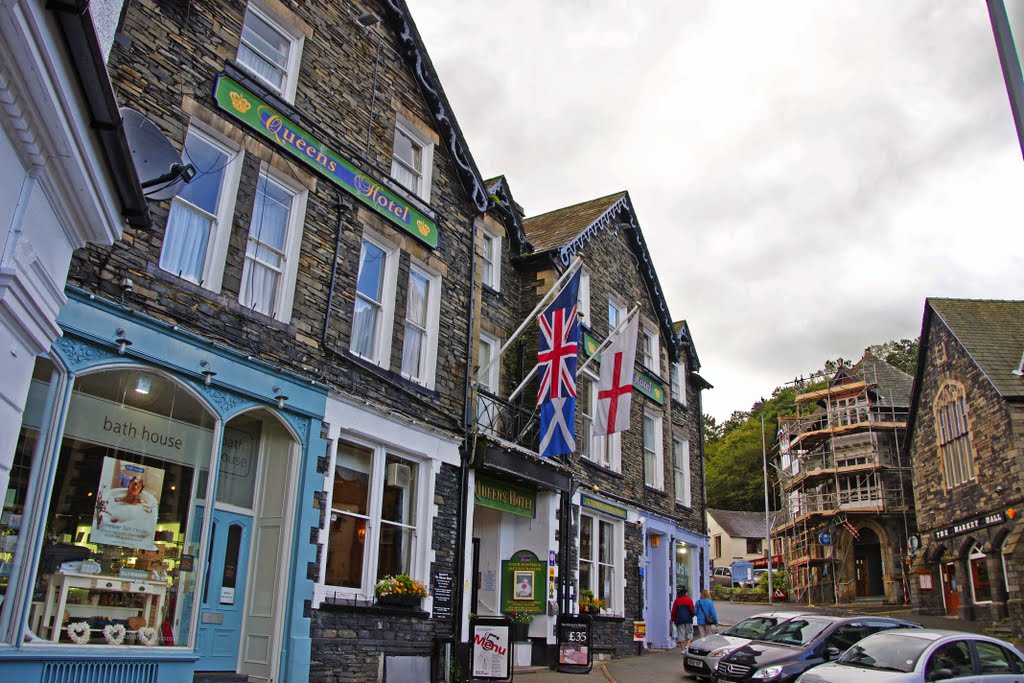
(272, 250)
(953, 432)
(118, 559)
(981, 586)
(600, 568)
(198, 224)
(681, 469)
(490, 260)
(422, 308)
(270, 50)
(375, 302)
(412, 159)
(374, 520)
(653, 474)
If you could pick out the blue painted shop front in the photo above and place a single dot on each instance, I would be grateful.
(112, 568)
(675, 558)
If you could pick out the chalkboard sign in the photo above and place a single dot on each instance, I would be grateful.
(442, 592)
(575, 646)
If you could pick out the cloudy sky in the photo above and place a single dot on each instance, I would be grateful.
(805, 173)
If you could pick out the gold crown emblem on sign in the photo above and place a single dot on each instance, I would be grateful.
(239, 102)
(423, 228)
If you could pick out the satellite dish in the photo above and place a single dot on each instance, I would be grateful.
(161, 172)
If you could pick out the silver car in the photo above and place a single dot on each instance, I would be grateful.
(922, 656)
(702, 655)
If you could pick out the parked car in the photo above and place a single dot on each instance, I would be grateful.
(793, 646)
(917, 656)
(722, 576)
(702, 655)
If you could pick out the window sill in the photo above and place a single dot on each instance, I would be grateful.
(491, 290)
(601, 468)
(650, 489)
(342, 604)
(259, 88)
(392, 376)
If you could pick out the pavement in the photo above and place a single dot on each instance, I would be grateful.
(666, 666)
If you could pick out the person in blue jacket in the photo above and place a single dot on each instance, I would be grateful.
(707, 617)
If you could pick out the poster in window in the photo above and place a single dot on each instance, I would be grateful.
(127, 504)
(524, 586)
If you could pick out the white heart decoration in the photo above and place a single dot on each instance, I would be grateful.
(114, 633)
(79, 632)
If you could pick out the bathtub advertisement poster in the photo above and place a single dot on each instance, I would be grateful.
(127, 504)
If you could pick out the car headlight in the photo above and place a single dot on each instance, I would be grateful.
(767, 673)
(722, 651)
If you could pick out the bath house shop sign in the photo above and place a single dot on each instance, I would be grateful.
(237, 101)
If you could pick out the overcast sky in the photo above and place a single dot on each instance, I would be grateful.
(804, 173)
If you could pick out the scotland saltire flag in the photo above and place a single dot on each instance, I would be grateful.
(557, 346)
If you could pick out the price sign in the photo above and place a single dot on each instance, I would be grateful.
(575, 649)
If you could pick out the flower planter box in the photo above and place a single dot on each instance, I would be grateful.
(399, 600)
(520, 632)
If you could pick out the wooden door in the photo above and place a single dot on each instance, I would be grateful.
(950, 595)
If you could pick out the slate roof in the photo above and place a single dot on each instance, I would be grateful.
(558, 228)
(893, 385)
(741, 524)
(992, 332)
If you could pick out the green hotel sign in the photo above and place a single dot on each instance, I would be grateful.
(237, 101)
(642, 382)
(505, 497)
(607, 508)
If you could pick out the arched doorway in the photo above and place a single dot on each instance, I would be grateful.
(241, 608)
(867, 559)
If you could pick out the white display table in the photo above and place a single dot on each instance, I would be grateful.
(153, 593)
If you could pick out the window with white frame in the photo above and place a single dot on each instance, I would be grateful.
(601, 562)
(616, 314)
(681, 469)
(271, 252)
(199, 222)
(953, 431)
(490, 264)
(375, 297)
(419, 348)
(412, 159)
(677, 377)
(650, 354)
(375, 498)
(486, 407)
(583, 298)
(653, 475)
(604, 450)
(270, 50)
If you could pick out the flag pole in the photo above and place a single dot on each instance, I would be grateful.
(545, 300)
(608, 340)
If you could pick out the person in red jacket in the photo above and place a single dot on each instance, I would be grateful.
(682, 617)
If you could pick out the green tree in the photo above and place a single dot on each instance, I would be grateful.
(900, 354)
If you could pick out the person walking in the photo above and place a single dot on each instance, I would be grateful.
(706, 614)
(682, 617)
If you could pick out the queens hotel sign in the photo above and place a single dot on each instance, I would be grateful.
(236, 100)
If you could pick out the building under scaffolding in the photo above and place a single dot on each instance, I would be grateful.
(846, 495)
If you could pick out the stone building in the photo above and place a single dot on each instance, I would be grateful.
(256, 408)
(621, 516)
(965, 435)
(847, 509)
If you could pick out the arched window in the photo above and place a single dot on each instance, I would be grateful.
(953, 434)
(981, 587)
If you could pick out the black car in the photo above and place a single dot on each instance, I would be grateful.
(785, 651)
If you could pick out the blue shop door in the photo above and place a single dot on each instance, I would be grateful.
(223, 605)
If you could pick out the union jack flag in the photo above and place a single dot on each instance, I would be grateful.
(557, 347)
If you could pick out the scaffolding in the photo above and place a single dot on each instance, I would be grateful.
(841, 467)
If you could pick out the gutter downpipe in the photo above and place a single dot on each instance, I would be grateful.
(79, 33)
(468, 446)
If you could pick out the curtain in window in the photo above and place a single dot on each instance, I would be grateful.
(185, 240)
(369, 290)
(416, 325)
(264, 253)
(405, 167)
(264, 50)
(649, 451)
